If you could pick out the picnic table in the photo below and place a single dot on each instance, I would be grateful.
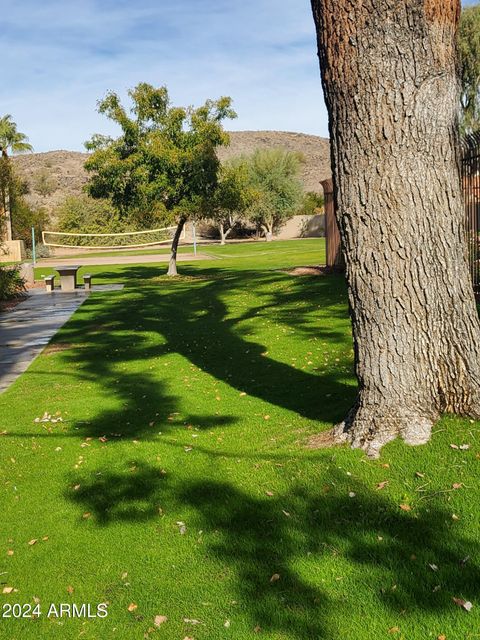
(68, 277)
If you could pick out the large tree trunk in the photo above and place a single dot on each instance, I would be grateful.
(390, 83)
(172, 265)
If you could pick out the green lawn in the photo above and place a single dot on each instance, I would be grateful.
(235, 249)
(179, 481)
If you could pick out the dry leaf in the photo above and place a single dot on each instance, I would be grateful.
(158, 620)
(405, 507)
(275, 577)
(226, 624)
(86, 515)
(455, 517)
(7, 589)
(386, 466)
(457, 485)
(33, 541)
(257, 629)
(454, 446)
(70, 589)
(382, 485)
(433, 567)
(286, 513)
(394, 630)
(352, 494)
(464, 447)
(419, 474)
(464, 604)
(10, 552)
(132, 607)
(266, 417)
(269, 493)
(442, 637)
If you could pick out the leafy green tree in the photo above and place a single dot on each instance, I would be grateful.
(274, 177)
(232, 197)
(44, 183)
(312, 203)
(83, 214)
(469, 50)
(163, 162)
(12, 141)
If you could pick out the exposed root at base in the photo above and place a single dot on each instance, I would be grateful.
(415, 432)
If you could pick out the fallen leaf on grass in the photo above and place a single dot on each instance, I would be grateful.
(275, 577)
(191, 621)
(442, 637)
(86, 515)
(8, 590)
(226, 624)
(457, 485)
(419, 474)
(455, 517)
(464, 604)
(382, 485)
(394, 630)
(10, 552)
(132, 607)
(70, 589)
(464, 447)
(269, 493)
(405, 507)
(433, 567)
(454, 446)
(33, 541)
(158, 620)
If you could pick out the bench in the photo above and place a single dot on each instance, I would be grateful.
(49, 283)
(87, 281)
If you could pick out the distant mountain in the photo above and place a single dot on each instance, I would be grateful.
(66, 175)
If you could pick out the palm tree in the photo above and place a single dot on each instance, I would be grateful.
(16, 142)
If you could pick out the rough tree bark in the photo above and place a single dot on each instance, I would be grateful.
(172, 265)
(390, 83)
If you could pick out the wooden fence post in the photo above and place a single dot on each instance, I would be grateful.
(332, 234)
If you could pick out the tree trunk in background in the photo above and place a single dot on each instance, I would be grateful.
(390, 83)
(268, 229)
(6, 223)
(223, 235)
(172, 265)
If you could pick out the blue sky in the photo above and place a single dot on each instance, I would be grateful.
(60, 56)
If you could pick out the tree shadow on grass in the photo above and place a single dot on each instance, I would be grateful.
(286, 554)
(192, 319)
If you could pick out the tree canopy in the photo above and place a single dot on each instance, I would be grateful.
(11, 139)
(274, 177)
(164, 158)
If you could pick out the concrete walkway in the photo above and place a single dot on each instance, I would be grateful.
(28, 327)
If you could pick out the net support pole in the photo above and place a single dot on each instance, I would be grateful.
(194, 235)
(34, 249)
